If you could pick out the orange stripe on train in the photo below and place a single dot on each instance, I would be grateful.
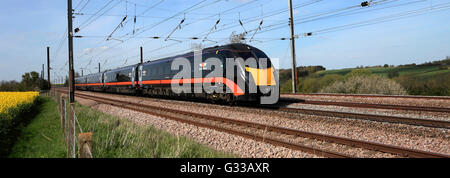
(230, 84)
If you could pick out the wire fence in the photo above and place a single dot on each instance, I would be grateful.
(75, 139)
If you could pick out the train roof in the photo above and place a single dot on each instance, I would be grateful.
(121, 68)
(232, 46)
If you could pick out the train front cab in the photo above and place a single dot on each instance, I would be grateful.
(262, 77)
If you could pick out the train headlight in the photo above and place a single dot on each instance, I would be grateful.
(265, 89)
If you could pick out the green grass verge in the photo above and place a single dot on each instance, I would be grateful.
(42, 136)
(115, 137)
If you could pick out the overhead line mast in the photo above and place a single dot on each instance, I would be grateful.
(294, 65)
(70, 39)
(48, 68)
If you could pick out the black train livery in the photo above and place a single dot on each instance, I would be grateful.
(154, 78)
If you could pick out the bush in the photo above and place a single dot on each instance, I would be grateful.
(436, 86)
(366, 85)
(442, 67)
(314, 84)
(358, 72)
(393, 73)
(286, 87)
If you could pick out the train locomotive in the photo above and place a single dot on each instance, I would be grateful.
(155, 78)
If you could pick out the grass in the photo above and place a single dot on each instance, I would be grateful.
(115, 137)
(42, 136)
(383, 71)
(431, 74)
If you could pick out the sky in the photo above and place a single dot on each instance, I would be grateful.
(386, 32)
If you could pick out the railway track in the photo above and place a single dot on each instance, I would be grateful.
(217, 123)
(371, 117)
(367, 105)
(369, 96)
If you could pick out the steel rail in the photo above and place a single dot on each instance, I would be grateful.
(365, 105)
(378, 106)
(372, 117)
(272, 141)
(370, 96)
(328, 138)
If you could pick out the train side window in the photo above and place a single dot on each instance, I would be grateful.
(166, 68)
(226, 54)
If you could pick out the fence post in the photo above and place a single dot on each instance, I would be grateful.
(85, 145)
(71, 130)
(58, 99)
(63, 117)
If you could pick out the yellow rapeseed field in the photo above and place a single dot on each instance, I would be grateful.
(15, 99)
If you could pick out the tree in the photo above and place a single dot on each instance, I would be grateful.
(10, 86)
(30, 81)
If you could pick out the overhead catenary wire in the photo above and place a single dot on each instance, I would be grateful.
(333, 14)
(82, 8)
(296, 6)
(154, 25)
(300, 5)
(79, 4)
(173, 31)
(255, 18)
(283, 23)
(439, 7)
(259, 26)
(94, 18)
(330, 14)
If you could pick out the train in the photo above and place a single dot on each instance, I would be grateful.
(156, 78)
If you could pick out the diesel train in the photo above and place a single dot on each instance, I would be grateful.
(155, 78)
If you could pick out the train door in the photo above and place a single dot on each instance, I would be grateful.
(141, 73)
(133, 75)
(101, 80)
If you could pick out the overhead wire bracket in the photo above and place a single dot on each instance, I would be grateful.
(307, 34)
(256, 31)
(178, 27)
(118, 26)
(242, 24)
(121, 24)
(134, 26)
(366, 3)
(126, 61)
(212, 29)
(259, 27)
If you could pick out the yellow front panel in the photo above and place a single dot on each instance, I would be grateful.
(262, 77)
